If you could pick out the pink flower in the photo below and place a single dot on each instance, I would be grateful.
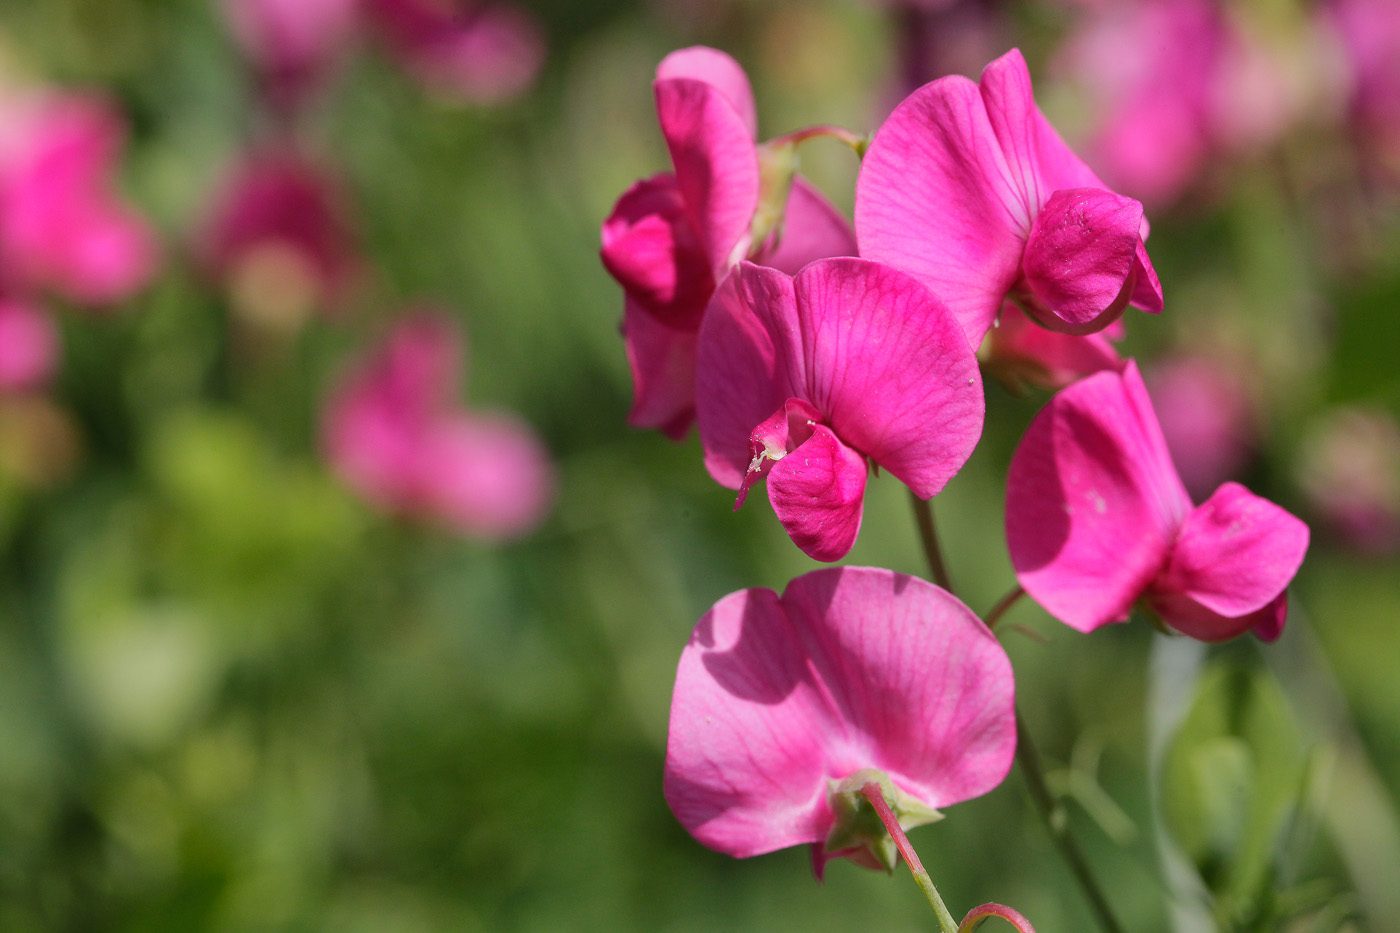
(61, 226)
(970, 189)
(293, 44)
(1370, 34)
(853, 672)
(1019, 351)
(1207, 419)
(481, 53)
(1097, 520)
(279, 240)
(28, 347)
(391, 433)
(801, 379)
(672, 237)
(1350, 472)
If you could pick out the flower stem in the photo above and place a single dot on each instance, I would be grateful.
(840, 134)
(1057, 822)
(1006, 602)
(923, 516)
(872, 792)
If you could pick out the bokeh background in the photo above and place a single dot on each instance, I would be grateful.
(237, 695)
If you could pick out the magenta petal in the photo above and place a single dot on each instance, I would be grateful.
(1080, 259)
(933, 198)
(485, 475)
(28, 346)
(662, 360)
(812, 229)
(1018, 349)
(891, 369)
(1236, 552)
(852, 668)
(650, 248)
(818, 493)
(716, 165)
(1183, 614)
(1093, 502)
(1147, 288)
(718, 70)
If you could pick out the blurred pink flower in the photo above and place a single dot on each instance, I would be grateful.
(1350, 472)
(853, 673)
(1194, 86)
(62, 228)
(390, 430)
(1370, 34)
(1207, 418)
(672, 237)
(481, 53)
(1097, 520)
(28, 346)
(293, 44)
(800, 380)
(279, 239)
(970, 189)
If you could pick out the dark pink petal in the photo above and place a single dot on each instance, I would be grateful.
(662, 360)
(1235, 553)
(1020, 350)
(775, 438)
(28, 346)
(1183, 614)
(812, 229)
(889, 366)
(653, 252)
(1081, 259)
(852, 668)
(1268, 622)
(934, 198)
(486, 476)
(1147, 289)
(818, 492)
(718, 70)
(1093, 503)
(737, 385)
(716, 164)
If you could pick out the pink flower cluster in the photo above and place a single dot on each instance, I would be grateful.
(805, 357)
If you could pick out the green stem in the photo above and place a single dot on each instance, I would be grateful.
(1006, 602)
(872, 792)
(1057, 822)
(855, 141)
(923, 516)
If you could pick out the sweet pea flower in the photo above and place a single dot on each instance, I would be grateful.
(672, 237)
(1369, 32)
(480, 53)
(28, 347)
(1349, 471)
(970, 189)
(278, 239)
(391, 432)
(62, 228)
(784, 705)
(293, 44)
(1207, 418)
(802, 379)
(1097, 520)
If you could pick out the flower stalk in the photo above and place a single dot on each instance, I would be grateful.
(876, 796)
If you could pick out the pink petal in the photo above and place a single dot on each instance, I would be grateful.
(718, 70)
(716, 165)
(655, 255)
(933, 198)
(781, 433)
(1093, 503)
(1190, 618)
(28, 346)
(817, 492)
(1236, 553)
(1147, 289)
(487, 476)
(889, 366)
(852, 668)
(1020, 350)
(1081, 259)
(662, 360)
(812, 229)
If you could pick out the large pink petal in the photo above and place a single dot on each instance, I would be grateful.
(716, 165)
(736, 382)
(1236, 552)
(818, 492)
(718, 70)
(889, 366)
(1093, 503)
(935, 198)
(852, 668)
(1081, 259)
(812, 229)
(662, 360)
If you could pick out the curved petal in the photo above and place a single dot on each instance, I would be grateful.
(889, 366)
(716, 165)
(649, 247)
(718, 70)
(812, 229)
(1147, 288)
(662, 360)
(736, 382)
(1093, 503)
(936, 198)
(818, 493)
(1190, 618)
(1235, 553)
(1081, 259)
(1018, 350)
